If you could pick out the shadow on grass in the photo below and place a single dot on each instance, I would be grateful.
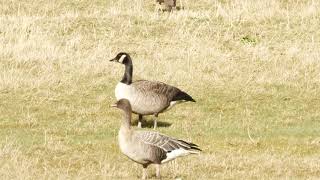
(179, 8)
(149, 123)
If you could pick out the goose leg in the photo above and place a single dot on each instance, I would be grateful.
(158, 171)
(157, 6)
(144, 172)
(155, 121)
(140, 121)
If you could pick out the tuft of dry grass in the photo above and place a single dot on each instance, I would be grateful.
(252, 66)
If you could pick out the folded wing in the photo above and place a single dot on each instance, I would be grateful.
(170, 93)
(171, 147)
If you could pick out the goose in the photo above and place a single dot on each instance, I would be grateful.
(146, 97)
(149, 147)
(169, 4)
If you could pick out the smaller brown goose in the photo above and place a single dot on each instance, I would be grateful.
(168, 4)
(149, 147)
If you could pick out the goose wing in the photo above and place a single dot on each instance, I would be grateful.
(170, 92)
(172, 147)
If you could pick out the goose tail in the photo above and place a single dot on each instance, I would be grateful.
(191, 147)
(183, 96)
(184, 149)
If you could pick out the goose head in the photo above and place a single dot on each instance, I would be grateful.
(123, 104)
(123, 58)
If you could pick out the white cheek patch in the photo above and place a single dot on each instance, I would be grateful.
(122, 58)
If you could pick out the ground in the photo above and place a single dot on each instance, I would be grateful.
(252, 66)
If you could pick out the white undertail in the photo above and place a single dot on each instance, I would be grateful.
(177, 153)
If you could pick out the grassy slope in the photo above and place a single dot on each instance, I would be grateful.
(252, 66)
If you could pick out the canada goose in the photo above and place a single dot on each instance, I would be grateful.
(149, 147)
(146, 97)
(168, 4)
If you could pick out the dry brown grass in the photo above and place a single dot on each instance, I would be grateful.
(253, 67)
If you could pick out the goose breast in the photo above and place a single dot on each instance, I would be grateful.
(138, 151)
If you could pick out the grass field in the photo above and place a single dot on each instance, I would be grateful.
(253, 67)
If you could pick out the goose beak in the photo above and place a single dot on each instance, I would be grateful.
(111, 60)
(113, 105)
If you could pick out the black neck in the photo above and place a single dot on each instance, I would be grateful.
(127, 77)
